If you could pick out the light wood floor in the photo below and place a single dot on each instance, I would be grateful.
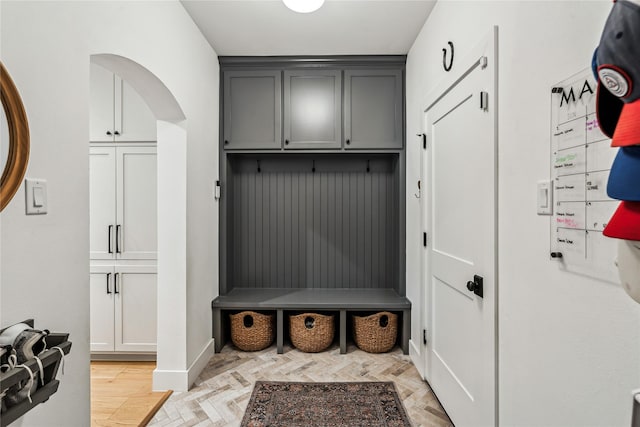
(222, 391)
(121, 393)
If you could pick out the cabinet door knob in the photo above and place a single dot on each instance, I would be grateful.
(226, 142)
(109, 133)
(116, 133)
(286, 142)
(348, 141)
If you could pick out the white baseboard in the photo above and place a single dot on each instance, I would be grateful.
(416, 357)
(170, 380)
(182, 380)
(201, 361)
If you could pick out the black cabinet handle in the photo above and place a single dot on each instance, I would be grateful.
(348, 141)
(108, 277)
(226, 142)
(286, 142)
(109, 237)
(116, 133)
(118, 239)
(109, 133)
(115, 281)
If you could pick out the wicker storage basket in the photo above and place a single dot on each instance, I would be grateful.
(251, 331)
(311, 332)
(376, 333)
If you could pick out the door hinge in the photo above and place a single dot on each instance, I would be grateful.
(424, 336)
(216, 190)
(424, 239)
(484, 101)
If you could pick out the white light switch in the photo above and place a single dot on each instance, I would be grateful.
(545, 197)
(36, 196)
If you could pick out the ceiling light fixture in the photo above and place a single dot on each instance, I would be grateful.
(303, 6)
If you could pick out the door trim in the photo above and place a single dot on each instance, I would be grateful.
(487, 47)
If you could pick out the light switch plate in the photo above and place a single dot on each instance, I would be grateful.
(544, 197)
(36, 196)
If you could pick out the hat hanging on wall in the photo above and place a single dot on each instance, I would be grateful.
(625, 222)
(624, 177)
(618, 66)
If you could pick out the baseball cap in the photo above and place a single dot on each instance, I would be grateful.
(625, 222)
(624, 177)
(618, 65)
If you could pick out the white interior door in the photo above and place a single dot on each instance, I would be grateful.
(460, 173)
(102, 202)
(137, 203)
(136, 297)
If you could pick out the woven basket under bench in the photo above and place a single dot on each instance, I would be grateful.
(376, 333)
(252, 331)
(311, 332)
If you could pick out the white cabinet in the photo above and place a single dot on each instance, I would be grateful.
(118, 113)
(123, 308)
(123, 202)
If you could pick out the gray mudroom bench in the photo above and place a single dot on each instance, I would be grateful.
(352, 301)
(312, 190)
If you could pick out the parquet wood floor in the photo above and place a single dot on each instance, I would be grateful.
(121, 393)
(222, 391)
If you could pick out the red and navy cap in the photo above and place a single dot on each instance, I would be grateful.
(618, 66)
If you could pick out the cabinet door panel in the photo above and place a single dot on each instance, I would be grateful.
(373, 109)
(136, 308)
(312, 109)
(137, 203)
(102, 104)
(134, 120)
(102, 202)
(101, 309)
(252, 109)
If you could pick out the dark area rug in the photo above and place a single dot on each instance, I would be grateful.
(355, 404)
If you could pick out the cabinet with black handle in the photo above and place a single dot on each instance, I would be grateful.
(117, 112)
(123, 199)
(123, 301)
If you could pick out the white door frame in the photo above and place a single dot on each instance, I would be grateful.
(487, 47)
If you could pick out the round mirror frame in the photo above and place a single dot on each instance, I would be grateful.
(18, 155)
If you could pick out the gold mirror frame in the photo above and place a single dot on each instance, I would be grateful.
(18, 155)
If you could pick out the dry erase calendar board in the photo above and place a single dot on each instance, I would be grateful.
(581, 156)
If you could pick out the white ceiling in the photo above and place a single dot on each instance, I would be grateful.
(339, 27)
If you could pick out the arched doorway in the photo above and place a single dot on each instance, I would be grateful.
(171, 217)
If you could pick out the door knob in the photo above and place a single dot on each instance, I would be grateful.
(476, 286)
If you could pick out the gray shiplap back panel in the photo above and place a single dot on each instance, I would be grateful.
(332, 228)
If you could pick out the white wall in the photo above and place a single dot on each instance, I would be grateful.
(568, 345)
(46, 47)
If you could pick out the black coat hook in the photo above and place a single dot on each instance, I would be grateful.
(313, 166)
(258, 164)
(444, 58)
(368, 167)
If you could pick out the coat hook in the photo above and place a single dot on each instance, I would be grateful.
(368, 167)
(258, 164)
(444, 58)
(313, 166)
(419, 193)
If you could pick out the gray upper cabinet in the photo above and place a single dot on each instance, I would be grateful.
(252, 109)
(373, 108)
(312, 109)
